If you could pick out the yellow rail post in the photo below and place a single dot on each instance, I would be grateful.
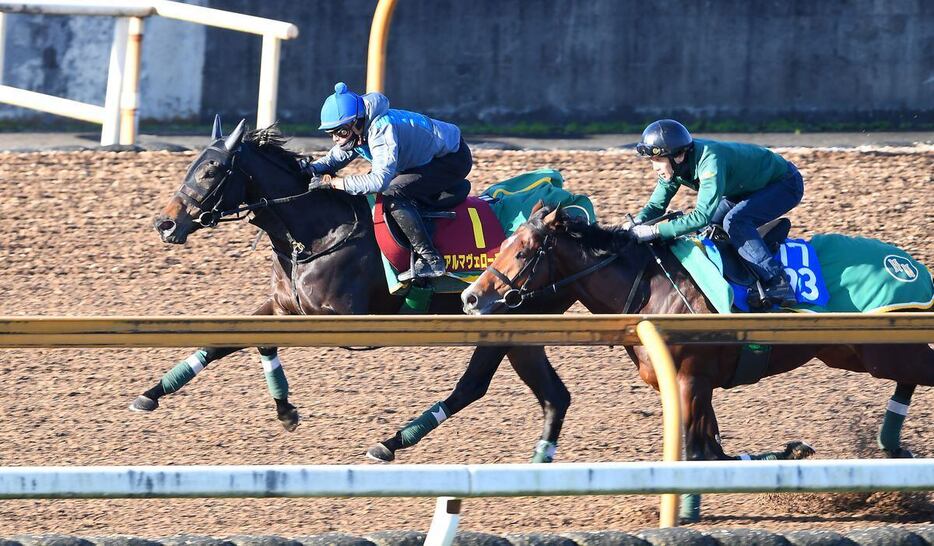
(376, 53)
(671, 410)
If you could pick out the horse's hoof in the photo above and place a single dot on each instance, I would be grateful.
(380, 453)
(290, 420)
(798, 450)
(898, 453)
(685, 520)
(144, 403)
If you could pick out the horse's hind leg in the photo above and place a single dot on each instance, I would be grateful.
(471, 387)
(533, 367)
(908, 366)
(890, 434)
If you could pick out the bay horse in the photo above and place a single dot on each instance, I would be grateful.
(326, 262)
(608, 271)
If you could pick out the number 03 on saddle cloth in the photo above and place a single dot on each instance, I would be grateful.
(831, 273)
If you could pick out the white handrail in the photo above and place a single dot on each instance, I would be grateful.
(123, 74)
(225, 19)
(490, 480)
(457, 481)
(114, 8)
(165, 8)
(51, 104)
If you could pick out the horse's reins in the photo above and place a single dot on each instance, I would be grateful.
(517, 295)
(215, 216)
(659, 260)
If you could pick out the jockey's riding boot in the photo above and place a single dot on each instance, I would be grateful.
(779, 290)
(429, 263)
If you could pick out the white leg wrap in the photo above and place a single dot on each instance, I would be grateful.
(546, 447)
(439, 415)
(270, 364)
(745, 457)
(195, 363)
(897, 407)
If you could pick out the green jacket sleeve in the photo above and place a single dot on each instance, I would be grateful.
(709, 192)
(658, 202)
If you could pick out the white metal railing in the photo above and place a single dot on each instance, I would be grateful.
(448, 481)
(119, 115)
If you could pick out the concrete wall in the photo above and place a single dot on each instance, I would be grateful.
(68, 57)
(534, 60)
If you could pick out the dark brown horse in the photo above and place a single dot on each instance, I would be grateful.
(326, 262)
(622, 276)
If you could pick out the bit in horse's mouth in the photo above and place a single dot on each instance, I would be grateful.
(166, 229)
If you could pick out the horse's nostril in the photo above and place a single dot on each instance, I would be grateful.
(472, 300)
(166, 226)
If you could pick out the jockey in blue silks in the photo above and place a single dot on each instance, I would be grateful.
(414, 159)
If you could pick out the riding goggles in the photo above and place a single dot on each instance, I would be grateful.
(341, 132)
(651, 151)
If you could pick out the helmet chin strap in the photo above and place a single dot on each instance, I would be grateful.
(680, 169)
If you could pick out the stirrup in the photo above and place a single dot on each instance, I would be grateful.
(423, 269)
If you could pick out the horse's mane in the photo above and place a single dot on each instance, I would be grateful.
(594, 239)
(271, 140)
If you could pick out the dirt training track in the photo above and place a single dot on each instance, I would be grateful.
(76, 239)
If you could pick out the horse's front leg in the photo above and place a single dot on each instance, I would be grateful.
(701, 433)
(278, 386)
(533, 367)
(179, 376)
(471, 387)
(187, 369)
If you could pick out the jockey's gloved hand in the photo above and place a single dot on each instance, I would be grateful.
(644, 234)
(627, 225)
(317, 182)
(304, 164)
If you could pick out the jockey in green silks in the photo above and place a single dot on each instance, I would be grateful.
(739, 187)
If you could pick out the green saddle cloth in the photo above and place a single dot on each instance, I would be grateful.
(513, 199)
(868, 276)
(862, 276)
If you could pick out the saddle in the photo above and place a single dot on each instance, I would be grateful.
(463, 229)
(735, 268)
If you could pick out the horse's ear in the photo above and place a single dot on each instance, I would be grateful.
(235, 137)
(553, 217)
(216, 132)
(537, 206)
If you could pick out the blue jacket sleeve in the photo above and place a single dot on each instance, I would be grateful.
(384, 151)
(335, 160)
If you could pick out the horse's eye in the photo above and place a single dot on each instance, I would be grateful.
(522, 255)
(207, 171)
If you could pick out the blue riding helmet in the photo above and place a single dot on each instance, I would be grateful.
(341, 108)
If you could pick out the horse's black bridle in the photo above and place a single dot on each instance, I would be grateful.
(214, 216)
(211, 218)
(517, 295)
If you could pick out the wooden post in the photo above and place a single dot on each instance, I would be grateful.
(268, 81)
(111, 126)
(129, 101)
(2, 42)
